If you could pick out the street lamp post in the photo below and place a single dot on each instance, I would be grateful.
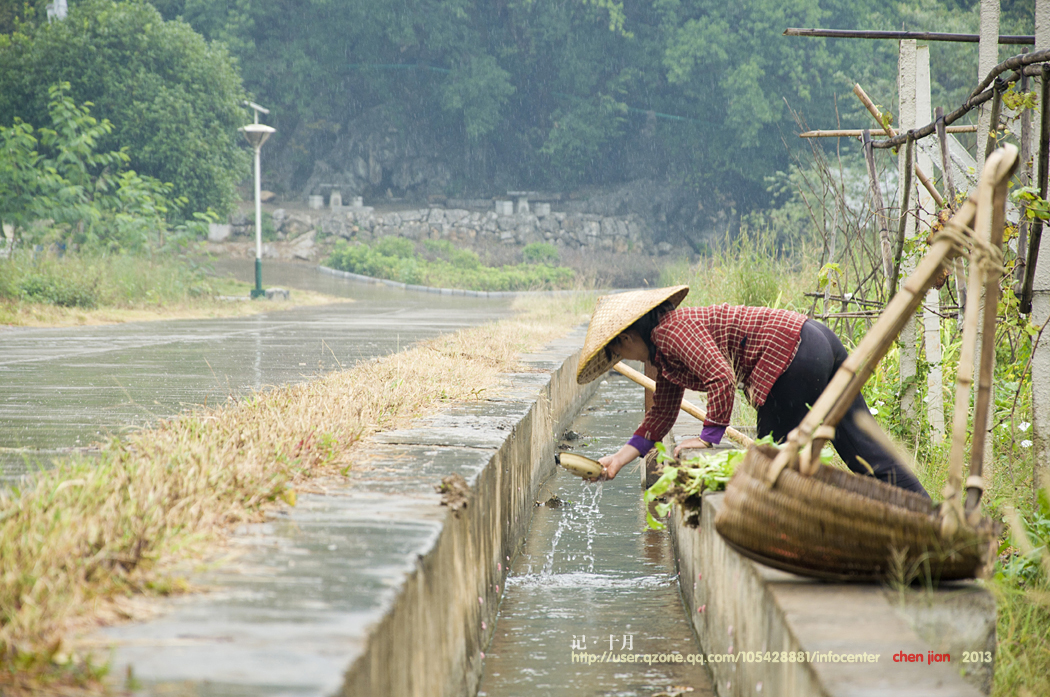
(257, 134)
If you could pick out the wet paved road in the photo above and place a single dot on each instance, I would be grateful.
(68, 387)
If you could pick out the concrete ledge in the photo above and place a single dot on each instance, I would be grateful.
(440, 291)
(740, 608)
(372, 587)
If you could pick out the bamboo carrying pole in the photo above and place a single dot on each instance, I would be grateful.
(688, 407)
(991, 202)
(982, 407)
(845, 385)
(874, 110)
(964, 374)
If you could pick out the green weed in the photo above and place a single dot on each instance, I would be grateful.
(750, 269)
(439, 263)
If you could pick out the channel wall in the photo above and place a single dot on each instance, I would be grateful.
(431, 638)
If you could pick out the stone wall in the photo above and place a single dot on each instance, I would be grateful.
(467, 227)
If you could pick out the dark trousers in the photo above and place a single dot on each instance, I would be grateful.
(819, 355)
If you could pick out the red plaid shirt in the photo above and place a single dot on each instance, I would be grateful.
(713, 350)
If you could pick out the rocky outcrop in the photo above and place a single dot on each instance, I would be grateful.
(374, 154)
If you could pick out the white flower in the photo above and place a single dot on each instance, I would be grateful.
(879, 403)
(1023, 426)
(874, 411)
(1026, 444)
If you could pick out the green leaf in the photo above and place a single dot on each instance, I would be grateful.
(652, 522)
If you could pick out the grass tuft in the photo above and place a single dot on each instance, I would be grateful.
(83, 289)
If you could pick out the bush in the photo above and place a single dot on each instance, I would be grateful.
(48, 285)
(100, 281)
(391, 258)
(443, 265)
(87, 196)
(748, 270)
(540, 253)
(396, 247)
(446, 251)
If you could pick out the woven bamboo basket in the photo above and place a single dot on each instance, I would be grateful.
(786, 510)
(839, 526)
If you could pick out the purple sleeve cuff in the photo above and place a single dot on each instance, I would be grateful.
(642, 445)
(712, 434)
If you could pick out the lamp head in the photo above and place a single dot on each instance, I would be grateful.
(256, 133)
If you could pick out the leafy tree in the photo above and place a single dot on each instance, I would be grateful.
(581, 133)
(19, 178)
(478, 88)
(14, 13)
(548, 93)
(173, 99)
(88, 197)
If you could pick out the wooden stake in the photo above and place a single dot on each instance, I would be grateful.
(909, 152)
(880, 210)
(1041, 174)
(1026, 179)
(874, 110)
(993, 128)
(946, 168)
(946, 160)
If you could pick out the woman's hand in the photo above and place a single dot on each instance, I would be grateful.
(611, 464)
(690, 443)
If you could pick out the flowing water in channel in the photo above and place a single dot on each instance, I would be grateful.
(590, 580)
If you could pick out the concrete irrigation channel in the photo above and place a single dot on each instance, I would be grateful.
(378, 589)
(538, 585)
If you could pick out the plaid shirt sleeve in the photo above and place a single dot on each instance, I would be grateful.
(667, 400)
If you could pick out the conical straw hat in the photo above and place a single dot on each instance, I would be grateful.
(614, 314)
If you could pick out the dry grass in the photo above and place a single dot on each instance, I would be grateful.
(81, 538)
(25, 314)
